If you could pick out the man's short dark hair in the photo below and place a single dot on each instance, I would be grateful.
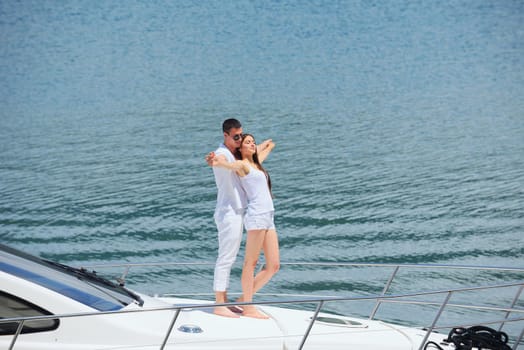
(229, 124)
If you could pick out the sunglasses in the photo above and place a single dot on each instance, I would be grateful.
(237, 137)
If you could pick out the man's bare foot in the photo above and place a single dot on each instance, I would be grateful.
(251, 311)
(224, 311)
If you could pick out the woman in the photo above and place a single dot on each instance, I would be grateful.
(261, 233)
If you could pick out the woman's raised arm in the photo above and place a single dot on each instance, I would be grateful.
(220, 161)
(264, 149)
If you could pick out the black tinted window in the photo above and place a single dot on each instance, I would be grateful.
(11, 306)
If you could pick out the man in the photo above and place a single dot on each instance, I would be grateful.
(229, 212)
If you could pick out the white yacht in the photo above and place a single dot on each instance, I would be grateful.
(48, 305)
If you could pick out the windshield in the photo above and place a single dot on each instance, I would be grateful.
(78, 284)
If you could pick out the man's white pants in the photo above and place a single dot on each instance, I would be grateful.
(229, 226)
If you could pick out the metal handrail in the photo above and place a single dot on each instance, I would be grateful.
(308, 300)
(320, 301)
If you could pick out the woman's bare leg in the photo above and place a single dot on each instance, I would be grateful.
(254, 244)
(272, 256)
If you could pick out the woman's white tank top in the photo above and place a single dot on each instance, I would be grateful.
(259, 200)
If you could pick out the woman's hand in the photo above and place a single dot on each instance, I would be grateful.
(211, 158)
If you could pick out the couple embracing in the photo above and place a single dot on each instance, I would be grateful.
(244, 199)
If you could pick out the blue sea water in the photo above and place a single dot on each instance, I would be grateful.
(399, 130)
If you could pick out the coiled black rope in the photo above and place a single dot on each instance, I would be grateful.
(479, 337)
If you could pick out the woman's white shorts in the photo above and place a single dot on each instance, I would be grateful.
(259, 222)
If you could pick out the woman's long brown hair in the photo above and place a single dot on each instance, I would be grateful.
(238, 155)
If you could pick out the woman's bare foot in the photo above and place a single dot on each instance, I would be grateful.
(251, 311)
(224, 311)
